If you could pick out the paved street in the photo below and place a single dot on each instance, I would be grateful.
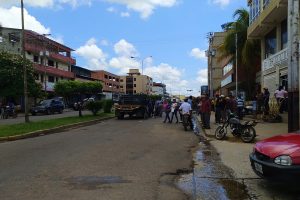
(128, 159)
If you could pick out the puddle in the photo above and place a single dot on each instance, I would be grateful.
(210, 178)
(94, 182)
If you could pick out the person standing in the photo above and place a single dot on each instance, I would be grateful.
(280, 95)
(240, 106)
(174, 109)
(206, 111)
(167, 110)
(217, 109)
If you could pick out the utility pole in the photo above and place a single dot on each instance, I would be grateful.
(24, 66)
(293, 65)
(236, 65)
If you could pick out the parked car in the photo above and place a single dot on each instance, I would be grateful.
(277, 158)
(48, 106)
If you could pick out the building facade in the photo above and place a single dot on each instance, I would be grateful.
(268, 22)
(159, 89)
(110, 82)
(82, 74)
(214, 66)
(136, 83)
(51, 60)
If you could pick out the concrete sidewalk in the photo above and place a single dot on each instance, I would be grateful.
(235, 154)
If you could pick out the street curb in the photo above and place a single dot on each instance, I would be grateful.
(52, 130)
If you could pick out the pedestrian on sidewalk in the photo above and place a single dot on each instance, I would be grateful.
(280, 96)
(266, 97)
(217, 109)
(223, 108)
(206, 111)
(174, 109)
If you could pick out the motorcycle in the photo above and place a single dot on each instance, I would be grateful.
(9, 112)
(244, 130)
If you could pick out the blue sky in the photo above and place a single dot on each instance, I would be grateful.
(106, 33)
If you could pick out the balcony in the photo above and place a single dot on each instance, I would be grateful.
(278, 59)
(53, 71)
(55, 56)
(272, 13)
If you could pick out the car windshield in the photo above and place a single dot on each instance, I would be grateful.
(44, 102)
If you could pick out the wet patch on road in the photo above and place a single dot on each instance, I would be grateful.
(94, 182)
(210, 178)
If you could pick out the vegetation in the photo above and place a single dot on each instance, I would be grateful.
(69, 89)
(107, 105)
(249, 50)
(22, 128)
(12, 77)
(94, 106)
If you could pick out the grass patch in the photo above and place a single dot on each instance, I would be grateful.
(22, 128)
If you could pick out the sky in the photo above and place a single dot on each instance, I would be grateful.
(167, 38)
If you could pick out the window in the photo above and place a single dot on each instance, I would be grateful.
(42, 78)
(35, 59)
(254, 10)
(227, 68)
(270, 43)
(134, 79)
(134, 91)
(51, 63)
(121, 86)
(117, 80)
(56, 65)
(121, 80)
(51, 79)
(134, 85)
(105, 76)
(284, 34)
(57, 79)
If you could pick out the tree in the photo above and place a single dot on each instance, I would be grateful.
(12, 77)
(249, 49)
(70, 89)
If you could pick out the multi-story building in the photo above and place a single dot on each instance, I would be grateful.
(214, 66)
(136, 83)
(159, 89)
(268, 22)
(52, 61)
(83, 74)
(110, 82)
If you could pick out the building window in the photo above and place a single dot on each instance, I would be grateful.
(121, 86)
(254, 10)
(134, 79)
(134, 85)
(56, 65)
(51, 63)
(57, 79)
(42, 78)
(284, 34)
(227, 68)
(121, 80)
(117, 80)
(270, 43)
(35, 59)
(51, 79)
(134, 91)
(105, 76)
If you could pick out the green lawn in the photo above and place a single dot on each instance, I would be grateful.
(22, 128)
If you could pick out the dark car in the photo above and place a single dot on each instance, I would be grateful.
(277, 158)
(48, 106)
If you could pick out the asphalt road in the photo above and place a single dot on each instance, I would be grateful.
(127, 159)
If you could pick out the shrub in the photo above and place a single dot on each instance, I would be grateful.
(94, 106)
(107, 105)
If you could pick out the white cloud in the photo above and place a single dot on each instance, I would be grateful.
(95, 57)
(12, 18)
(221, 3)
(202, 76)
(144, 7)
(197, 53)
(124, 48)
(104, 42)
(125, 14)
(112, 10)
(169, 75)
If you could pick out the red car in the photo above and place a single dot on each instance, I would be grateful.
(277, 157)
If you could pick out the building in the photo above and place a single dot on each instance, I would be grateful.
(82, 74)
(110, 82)
(214, 66)
(159, 89)
(136, 83)
(268, 22)
(51, 60)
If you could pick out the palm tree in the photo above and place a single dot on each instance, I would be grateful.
(249, 49)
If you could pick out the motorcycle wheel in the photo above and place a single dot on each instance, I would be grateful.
(248, 134)
(220, 133)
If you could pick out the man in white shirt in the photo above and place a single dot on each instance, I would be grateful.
(280, 96)
(186, 108)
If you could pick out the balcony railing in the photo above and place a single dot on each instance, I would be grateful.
(55, 56)
(278, 59)
(53, 71)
